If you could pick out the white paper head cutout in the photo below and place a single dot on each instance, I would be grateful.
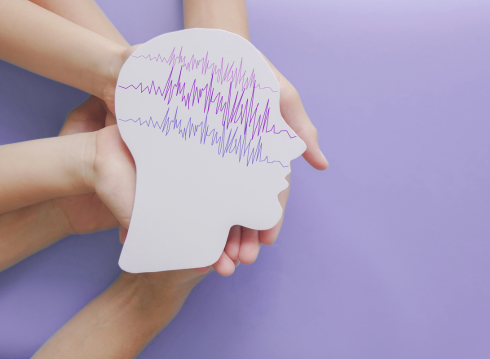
(199, 111)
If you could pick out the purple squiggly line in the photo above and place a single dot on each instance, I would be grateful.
(225, 72)
(240, 111)
(227, 141)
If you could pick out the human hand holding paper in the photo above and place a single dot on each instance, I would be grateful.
(87, 213)
(97, 58)
(244, 243)
(76, 56)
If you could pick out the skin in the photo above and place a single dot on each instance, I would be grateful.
(121, 321)
(43, 42)
(100, 329)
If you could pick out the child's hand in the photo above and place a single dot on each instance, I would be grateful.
(87, 213)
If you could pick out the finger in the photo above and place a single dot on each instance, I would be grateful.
(87, 117)
(295, 116)
(250, 246)
(233, 242)
(224, 266)
(269, 236)
(203, 270)
(313, 155)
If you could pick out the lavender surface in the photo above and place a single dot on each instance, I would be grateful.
(385, 255)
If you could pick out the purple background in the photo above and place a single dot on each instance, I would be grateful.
(385, 255)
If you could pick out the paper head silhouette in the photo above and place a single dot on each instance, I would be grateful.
(199, 111)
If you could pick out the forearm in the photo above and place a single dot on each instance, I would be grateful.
(39, 170)
(28, 230)
(45, 43)
(85, 13)
(121, 321)
(230, 15)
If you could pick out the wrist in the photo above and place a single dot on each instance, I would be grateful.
(170, 284)
(119, 322)
(105, 86)
(229, 15)
(83, 149)
(154, 298)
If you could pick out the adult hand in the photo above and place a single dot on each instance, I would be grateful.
(244, 243)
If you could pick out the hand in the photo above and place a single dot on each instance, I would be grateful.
(87, 213)
(244, 243)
